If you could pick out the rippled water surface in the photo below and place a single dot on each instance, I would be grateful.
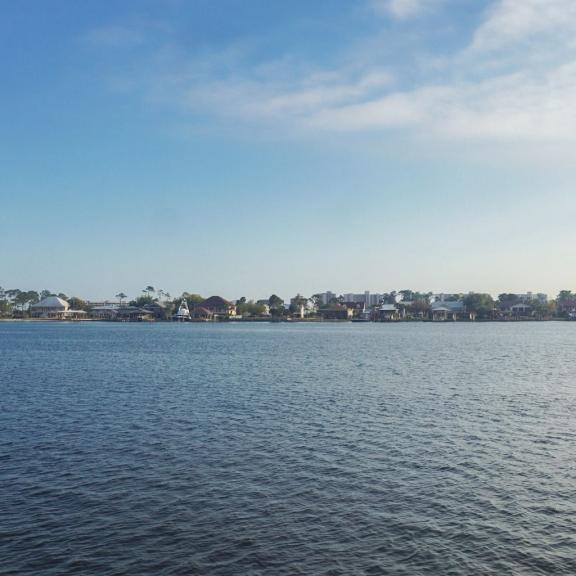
(278, 449)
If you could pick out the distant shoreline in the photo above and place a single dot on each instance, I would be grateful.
(292, 321)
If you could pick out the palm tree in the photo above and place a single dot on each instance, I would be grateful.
(160, 293)
(121, 297)
(149, 290)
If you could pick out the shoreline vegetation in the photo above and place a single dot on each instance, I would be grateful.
(270, 321)
(404, 306)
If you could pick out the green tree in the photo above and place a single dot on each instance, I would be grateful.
(316, 300)
(249, 308)
(564, 296)
(192, 298)
(389, 298)
(24, 299)
(143, 300)
(78, 304)
(407, 295)
(12, 294)
(5, 306)
(419, 308)
(149, 290)
(276, 305)
(275, 301)
(565, 303)
(506, 300)
(481, 304)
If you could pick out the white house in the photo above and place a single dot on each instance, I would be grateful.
(50, 307)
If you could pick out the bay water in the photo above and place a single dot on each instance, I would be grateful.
(279, 449)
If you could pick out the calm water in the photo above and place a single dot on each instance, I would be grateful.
(273, 449)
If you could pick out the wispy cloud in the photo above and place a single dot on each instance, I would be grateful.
(507, 107)
(492, 89)
(511, 24)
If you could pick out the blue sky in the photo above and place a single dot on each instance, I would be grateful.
(245, 147)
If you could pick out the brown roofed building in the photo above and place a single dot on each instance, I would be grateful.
(218, 307)
(336, 312)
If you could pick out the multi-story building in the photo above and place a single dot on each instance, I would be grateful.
(365, 298)
(325, 297)
(541, 298)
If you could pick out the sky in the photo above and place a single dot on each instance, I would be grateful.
(251, 147)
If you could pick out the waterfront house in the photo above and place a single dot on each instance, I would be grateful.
(336, 312)
(201, 314)
(388, 313)
(50, 307)
(133, 314)
(358, 309)
(218, 307)
(107, 312)
(55, 308)
(521, 310)
(157, 309)
(444, 310)
(121, 313)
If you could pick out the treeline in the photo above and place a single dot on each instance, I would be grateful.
(414, 303)
(16, 299)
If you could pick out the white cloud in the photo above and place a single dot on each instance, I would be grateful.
(516, 80)
(495, 88)
(311, 97)
(513, 22)
(510, 107)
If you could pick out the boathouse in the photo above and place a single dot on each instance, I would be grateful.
(388, 313)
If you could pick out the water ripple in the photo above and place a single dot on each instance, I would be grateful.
(285, 450)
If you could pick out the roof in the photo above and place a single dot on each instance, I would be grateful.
(215, 302)
(202, 310)
(388, 308)
(154, 305)
(51, 302)
(449, 306)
